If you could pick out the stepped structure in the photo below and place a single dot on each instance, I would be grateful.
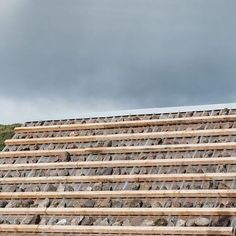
(168, 171)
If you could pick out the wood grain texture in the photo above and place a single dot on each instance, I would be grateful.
(201, 193)
(125, 149)
(133, 136)
(123, 124)
(124, 230)
(120, 178)
(121, 163)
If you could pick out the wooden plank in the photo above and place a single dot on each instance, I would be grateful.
(121, 163)
(124, 230)
(121, 211)
(222, 193)
(123, 124)
(125, 149)
(119, 178)
(117, 137)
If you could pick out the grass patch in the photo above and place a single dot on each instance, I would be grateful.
(6, 132)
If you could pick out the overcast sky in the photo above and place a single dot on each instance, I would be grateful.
(60, 58)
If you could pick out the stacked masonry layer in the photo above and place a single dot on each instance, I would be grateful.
(144, 174)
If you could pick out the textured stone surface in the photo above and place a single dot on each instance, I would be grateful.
(180, 223)
(62, 222)
(102, 222)
(148, 223)
(190, 222)
(44, 203)
(202, 221)
(88, 203)
(161, 222)
(133, 186)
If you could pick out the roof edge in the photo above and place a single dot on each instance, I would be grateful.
(150, 111)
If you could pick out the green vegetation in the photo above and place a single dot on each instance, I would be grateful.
(6, 132)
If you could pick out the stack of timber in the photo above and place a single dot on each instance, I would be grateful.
(160, 173)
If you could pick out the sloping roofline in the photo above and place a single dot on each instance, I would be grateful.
(149, 111)
(161, 110)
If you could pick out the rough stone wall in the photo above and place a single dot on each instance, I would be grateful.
(99, 186)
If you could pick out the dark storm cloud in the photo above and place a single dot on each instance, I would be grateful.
(65, 57)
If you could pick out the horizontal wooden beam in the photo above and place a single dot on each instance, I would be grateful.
(117, 137)
(119, 178)
(121, 211)
(121, 163)
(125, 149)
(123, 230)
(222, 193)
(123, 124)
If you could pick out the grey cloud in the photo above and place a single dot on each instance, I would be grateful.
(87, 55)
